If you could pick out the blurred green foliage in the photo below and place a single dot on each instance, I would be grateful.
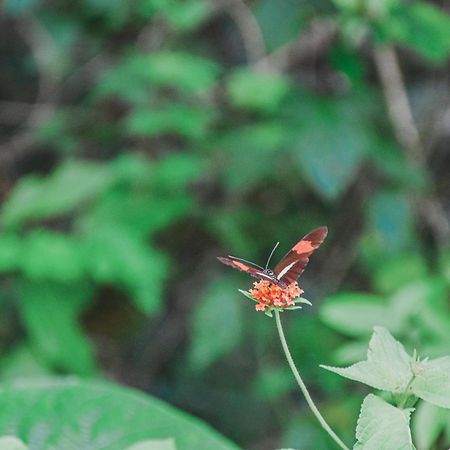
(168, 145)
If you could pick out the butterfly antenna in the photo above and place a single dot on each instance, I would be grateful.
(244, 260)
(271, 253)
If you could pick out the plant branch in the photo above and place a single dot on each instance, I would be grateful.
(303, 387)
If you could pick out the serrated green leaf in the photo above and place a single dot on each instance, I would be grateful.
(388, 366)
(355, 314)
(11, 443)
(216, 325)
(383, 426)
(50, 312)
(432, 381)
(81, 414)
(427, 424)
(153, 444)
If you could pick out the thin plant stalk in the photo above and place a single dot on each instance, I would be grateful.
(303, 387)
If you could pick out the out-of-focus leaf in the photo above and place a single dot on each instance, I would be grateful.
(186, 121)
(355, 314)
(381, 425)
(79, 415)
(50, 312)
(113, 255)
(273, 382)
(257, 91)
(51, 256)
(388, 366)
(73, 184)
(390, 221)
(182, 16)
(432, 381)
(332, 142)
(427, 424)
(351, 352)
(398, 271)
(139, 72)
(21, 362)
(444, 264)
(11, 443)
(16, 7)
(10, 252)
(421, 26)
(153, 444)
(216, 325)
(251, 153)
(280, 21)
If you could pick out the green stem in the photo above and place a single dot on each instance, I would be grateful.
(303, 387)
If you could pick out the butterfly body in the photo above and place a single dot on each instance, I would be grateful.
(291, 265)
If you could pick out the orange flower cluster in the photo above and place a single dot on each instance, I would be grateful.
(270, 296)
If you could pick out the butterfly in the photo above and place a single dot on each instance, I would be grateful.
(291, 265)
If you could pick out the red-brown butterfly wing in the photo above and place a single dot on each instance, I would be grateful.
(239, 265)
(294, 262)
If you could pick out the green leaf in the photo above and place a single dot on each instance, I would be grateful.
(390, 220)
(355, 314)
(383, 426)
(50, 313)
(113, 255)
(432, 381)
(388, 366)
(280, 21)
(80, 415)
(398, 271)
(10, 252)
(186, 121)
(421, 26)
(216, 325)
(152, 444)
(51, 256)
(331, 145)
(11, 443)
(70, 186)
(257, 91)
(427, 424)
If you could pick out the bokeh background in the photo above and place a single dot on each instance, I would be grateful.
(141, 139)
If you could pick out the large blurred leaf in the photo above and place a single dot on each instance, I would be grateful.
(52, 256)
(422, 26)
(428, 423)
(355, 314)
(383, 426)
(75, 415)
(216, 324)
(280, 20)
(50, 312)
(390, 221)
(115, 256)
(153, 444)
(71, 185)
(332, 142)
